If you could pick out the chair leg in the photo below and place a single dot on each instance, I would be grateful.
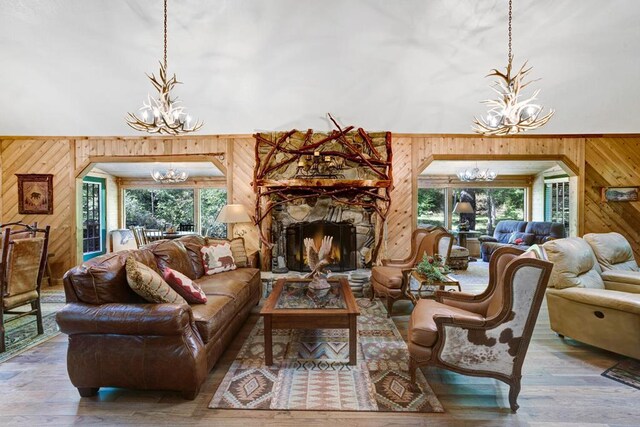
(373, 292)
(514, 391)
(3, 347)
(35, 305)
(390, 302)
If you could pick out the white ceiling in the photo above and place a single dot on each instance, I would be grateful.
(143, 170)
(75, 67)
(502, 167)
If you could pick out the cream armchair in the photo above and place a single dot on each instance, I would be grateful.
(600, 308)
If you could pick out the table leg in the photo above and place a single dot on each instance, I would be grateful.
(353, 339)
(268, 344)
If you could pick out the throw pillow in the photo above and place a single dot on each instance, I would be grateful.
(217, 258)
(149, 285)
(184, 286)
(237, 249)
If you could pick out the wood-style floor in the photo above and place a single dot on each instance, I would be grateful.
(562, 385)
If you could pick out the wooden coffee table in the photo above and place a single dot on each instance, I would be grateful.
(292, 306)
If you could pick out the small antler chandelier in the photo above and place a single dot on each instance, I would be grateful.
(476, 174)
(509, 114)
(163, 114)
(171, 176)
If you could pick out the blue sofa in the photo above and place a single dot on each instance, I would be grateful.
(520, 234)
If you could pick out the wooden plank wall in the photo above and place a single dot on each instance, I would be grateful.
(611, 162)
(46, 156)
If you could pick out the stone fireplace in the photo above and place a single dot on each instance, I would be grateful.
(351, 227)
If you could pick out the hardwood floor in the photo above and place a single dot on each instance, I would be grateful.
(562, 385)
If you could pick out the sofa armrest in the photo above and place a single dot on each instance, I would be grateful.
(254, 259)
(486, 238)
(124, 319)
(624, 281)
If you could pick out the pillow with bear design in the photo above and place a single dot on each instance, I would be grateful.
(217, 258)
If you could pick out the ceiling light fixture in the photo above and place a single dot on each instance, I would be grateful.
(509, 114)
(476, 174)
(171, 176)
(163, 114)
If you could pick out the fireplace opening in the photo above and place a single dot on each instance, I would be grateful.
(343, 248)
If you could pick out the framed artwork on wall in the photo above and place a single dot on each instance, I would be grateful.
(35, 194)
(619, 194)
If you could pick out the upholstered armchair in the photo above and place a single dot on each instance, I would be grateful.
(592, 305)
(387, 280)
(24, 256)
(483, 335)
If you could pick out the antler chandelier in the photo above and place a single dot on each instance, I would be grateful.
(509, 114)
(163, 114)
(477, 174)
(171, 176)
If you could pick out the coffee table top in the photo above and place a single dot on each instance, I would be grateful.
(292, 296)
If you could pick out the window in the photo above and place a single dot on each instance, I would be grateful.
(159, 208)
(492, 205)
(211, 201)
(173, 207)
(93, 217)
(431, 207)
(556, 197)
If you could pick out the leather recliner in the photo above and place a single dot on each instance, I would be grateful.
(600, 308)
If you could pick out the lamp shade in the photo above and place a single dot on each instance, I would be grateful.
(463, 208)
(233, 214)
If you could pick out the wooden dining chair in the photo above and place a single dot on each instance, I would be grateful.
(151, 235)
(22, 266)
(139, 235)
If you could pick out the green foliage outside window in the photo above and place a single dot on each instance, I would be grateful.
(211, 201)
(158, 208)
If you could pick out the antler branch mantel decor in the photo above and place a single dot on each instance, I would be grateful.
(352, 167)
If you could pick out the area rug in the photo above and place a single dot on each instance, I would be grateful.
(310, 370)
(22, 334)
(626, 371)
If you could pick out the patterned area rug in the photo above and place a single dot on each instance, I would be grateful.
(627, 372)
(22, 334)
(310, 371)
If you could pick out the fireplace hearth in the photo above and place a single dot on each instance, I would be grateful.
(344, 245)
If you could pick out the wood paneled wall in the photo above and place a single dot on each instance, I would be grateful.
(610, 160)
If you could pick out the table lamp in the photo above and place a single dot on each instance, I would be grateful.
(463, 208)
(234, 214)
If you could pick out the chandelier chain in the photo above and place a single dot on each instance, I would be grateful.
(510, 19)
(165, 34)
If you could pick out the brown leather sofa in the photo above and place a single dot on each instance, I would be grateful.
(116, 339)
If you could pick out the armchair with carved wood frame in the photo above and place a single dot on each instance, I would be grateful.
(388, 279)
(485, 335)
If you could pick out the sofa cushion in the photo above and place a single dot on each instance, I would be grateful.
(505, 228)
(613, 251)
(422, 325)
(228, 283)
(147, 283)
(103, 279)
(543, 231)
(574, 264)
(184, 286)
(390, 277)
(193, 244)
(173, 254)
(217, 257)
(211, 317)
(622, 301)
(521, 239)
